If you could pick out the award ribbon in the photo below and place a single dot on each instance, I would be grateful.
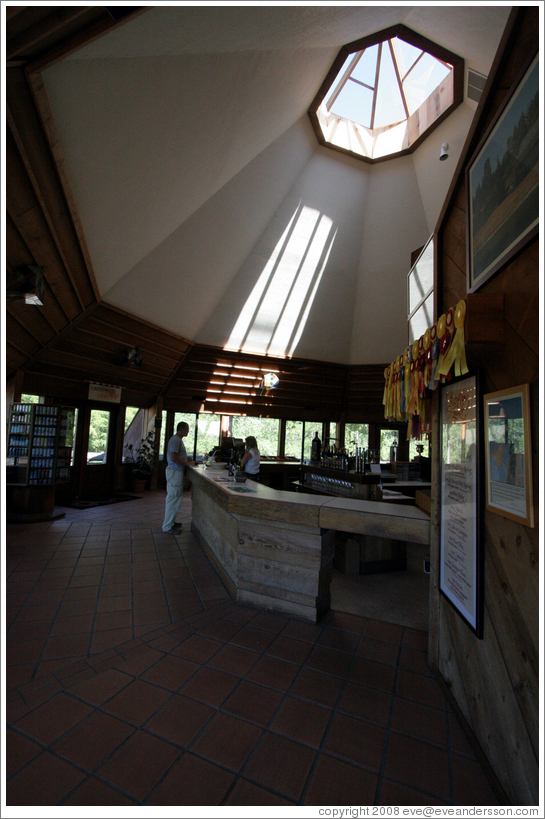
(457, 352)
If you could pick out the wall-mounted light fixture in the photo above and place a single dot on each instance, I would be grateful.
(444, 151)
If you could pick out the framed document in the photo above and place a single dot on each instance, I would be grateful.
(502, 183)
(508, 454)
(461, 559)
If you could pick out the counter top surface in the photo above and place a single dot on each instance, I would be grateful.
(324, 502)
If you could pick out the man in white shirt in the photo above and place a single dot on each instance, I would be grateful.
(176, 462)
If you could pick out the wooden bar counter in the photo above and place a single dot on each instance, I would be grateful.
(274, 549)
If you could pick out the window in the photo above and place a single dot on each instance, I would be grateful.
(386, 95)
(97, 445)
(208, 431)
(264, 430)
(356, 435)
(74, 436)
(189, 441)
(294, 435)
(130, 413)
(311, 428)
(420, 295)
(413, 451)
(162, 439)
(388, 438)
(133, 431)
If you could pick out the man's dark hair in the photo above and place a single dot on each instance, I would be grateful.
(182, 425)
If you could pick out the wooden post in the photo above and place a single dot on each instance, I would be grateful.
(281, 451)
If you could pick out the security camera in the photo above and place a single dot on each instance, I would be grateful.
(444, 151)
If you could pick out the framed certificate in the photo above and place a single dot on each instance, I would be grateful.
(461, 558)
(508, 454)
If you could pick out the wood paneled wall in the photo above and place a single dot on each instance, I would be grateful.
(216, 380)
(364, 394)
(494, 681)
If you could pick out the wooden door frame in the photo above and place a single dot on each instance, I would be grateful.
(109, 468)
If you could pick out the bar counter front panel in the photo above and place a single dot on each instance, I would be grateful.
(274, 549)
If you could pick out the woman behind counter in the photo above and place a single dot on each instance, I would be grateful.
(251, 459)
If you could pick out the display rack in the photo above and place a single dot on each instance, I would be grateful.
(39, 446)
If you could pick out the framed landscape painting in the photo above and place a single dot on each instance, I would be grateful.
(502, 183)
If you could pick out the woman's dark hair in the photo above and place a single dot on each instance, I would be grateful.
(251, 442)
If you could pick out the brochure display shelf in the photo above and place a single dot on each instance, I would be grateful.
(39, 451)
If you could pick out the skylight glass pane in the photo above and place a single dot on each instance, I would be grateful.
(406, 53)
(423, 79)
(366, 69)
(339, 76)
(354, 103)
(389, 102)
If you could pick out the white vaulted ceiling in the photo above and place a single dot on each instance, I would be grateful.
(207, 205)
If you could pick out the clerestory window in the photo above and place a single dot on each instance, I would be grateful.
(384, 94)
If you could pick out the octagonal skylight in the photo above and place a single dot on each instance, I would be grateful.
(384, 94)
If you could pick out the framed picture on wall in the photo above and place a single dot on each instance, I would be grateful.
(508, 454)
(502, 183)
(461, 555)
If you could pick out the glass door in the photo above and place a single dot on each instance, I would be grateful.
(99, 439)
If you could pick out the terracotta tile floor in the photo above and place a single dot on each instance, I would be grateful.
(133, 679)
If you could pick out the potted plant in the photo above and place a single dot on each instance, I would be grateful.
(143, 458)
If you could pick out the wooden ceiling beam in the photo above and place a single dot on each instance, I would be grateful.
(136, 338)
(68, 45)
(34, 152)
(30, 37)
(102, 373)
(91, 339)
(110, 355)
(11, 11)
(82, 316)
(123, 318)
(33, 227)
(33, 321)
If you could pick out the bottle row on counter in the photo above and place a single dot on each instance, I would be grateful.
(339, 458)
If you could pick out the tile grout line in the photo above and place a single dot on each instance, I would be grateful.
(218, 613)
(386, 746)
(321, 748)
(41, 657)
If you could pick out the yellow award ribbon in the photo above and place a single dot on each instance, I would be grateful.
(413, 407)
(398, 388)
(385, 395)
(393, 400)
(388, 372)
(406, 384)
(457, 352)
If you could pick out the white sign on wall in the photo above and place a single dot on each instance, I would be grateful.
(104, 392)
(460, 560)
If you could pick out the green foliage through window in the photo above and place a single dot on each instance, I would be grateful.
(98, 434)
(189, 441)
(294, 431)
(264, 430)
